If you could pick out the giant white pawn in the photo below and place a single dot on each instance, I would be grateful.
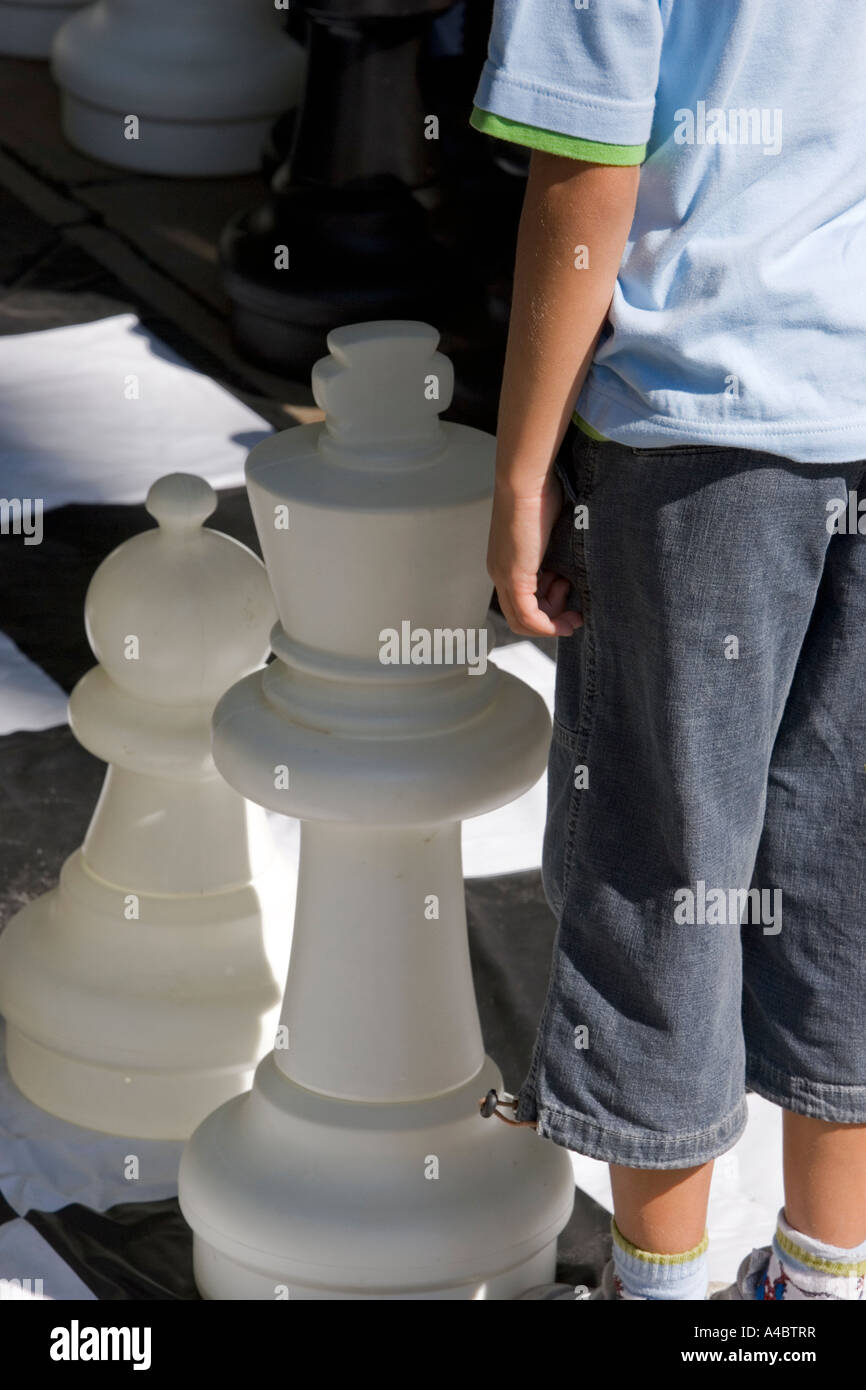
(182, 87)
(27, 27)
(359, 1166)
(141, 991)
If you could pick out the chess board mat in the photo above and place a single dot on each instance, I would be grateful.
(66, 1213)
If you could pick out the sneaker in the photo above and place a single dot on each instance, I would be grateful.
(751, 1271)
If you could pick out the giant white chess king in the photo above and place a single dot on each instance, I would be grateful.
(359, 1166)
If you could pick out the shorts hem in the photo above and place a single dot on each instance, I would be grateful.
(635, 1148)
(818, 1100)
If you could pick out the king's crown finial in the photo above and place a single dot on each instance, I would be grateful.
(383, 385)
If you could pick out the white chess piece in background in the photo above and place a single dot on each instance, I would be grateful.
(182, 87)
(27, 27)
(142, 990)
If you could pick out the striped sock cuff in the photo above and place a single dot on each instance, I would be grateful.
(650, 1256)
(814, 1254)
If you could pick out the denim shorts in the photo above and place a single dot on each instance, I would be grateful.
(705, 846)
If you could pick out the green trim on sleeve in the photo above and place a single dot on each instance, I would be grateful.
(552, 142)
(588, 429)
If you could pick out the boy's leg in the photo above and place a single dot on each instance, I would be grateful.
(818, 1250)
(804, 1001)
(804, 986)
(697, 571)
(660, 1232)
(825, 1191)
(825, 1179)
(664, 1211)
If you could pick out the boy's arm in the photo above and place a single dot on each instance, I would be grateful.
(557, 314)
(573, 211)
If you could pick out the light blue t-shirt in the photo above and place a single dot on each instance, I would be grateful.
(739, 313)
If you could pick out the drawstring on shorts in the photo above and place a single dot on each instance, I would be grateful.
(490, 1106)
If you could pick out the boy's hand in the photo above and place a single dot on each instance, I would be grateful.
(558, 309)
(532, 600)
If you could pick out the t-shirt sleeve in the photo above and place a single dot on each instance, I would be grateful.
(572, 80)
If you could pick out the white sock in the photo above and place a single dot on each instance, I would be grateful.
(801, 1267)
(641, 1274)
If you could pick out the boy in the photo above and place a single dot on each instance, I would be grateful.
(691, 275)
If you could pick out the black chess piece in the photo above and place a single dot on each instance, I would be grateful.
(345, 234)
(482, 186)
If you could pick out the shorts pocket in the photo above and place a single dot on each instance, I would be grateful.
(680, 450)
(576, 671)
(575, 655)
(574, 467)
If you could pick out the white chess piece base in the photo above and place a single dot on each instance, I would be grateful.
(181, 149)
(142, 1035)
(314, 1199)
